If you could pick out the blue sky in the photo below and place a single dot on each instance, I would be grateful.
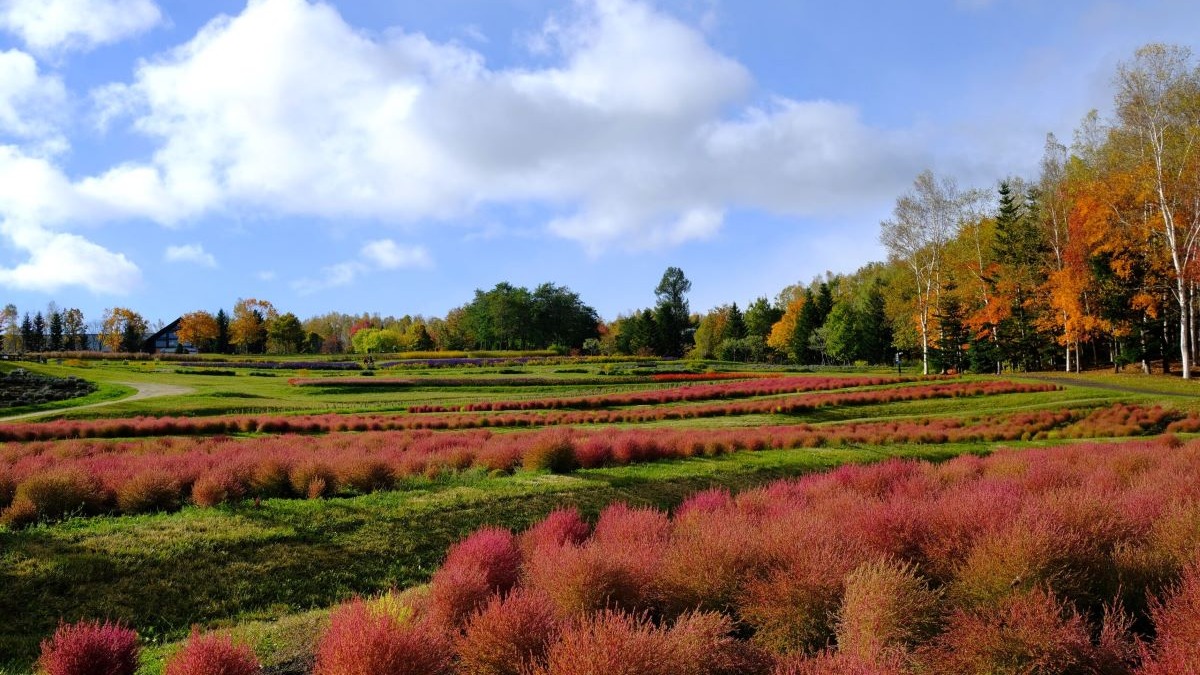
(391, 157)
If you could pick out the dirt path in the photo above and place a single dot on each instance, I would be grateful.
(144, 390)
(1108, 386)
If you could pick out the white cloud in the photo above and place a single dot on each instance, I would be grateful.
(31, 104)
(53, 25)
(383, 254)
(333, 276)
(625, 135)
(36, 201)
(190, 253)
(388, 255)
(58, 260)
(266, 275)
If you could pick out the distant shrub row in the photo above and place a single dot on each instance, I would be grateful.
(50, 480)
(727, 390)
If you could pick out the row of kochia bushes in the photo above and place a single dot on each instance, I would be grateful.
(50, 480)
(311, 424)
(510, 381)
(1075, 559)
(710, 392)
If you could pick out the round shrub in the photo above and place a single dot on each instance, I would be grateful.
(886, 609)
(269, 478)
(217, 487)
(486, 562)
(1030, 632)
(59, 493)
(313, 480)
(90, 648)
(213, 654)
(366, 475)
(360, 641)
(553, 452)
(508, 636)
(149, 492)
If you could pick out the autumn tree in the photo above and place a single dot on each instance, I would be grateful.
(199, 329)
(122, 330)
(74, 329)
(248, 328)
(923, 222)
(10, 325)
(1157, 133)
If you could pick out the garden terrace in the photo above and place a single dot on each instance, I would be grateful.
(162, 426)
(741, 389)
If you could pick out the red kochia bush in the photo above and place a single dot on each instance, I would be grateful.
(486, 562)
(1027, 633)
(213, 654)
(509, 635)
(615, 643)
(90, 648)
(148, 492)
(360, 641)
(1177, 624)
(562, 526)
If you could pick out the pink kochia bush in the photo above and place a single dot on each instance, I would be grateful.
(709, 392)
(53, 479)
(1074, 559)
(90, 648)
(213, 654)
(368, 640)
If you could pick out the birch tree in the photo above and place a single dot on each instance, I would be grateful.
(922, 224)
(1157, 99)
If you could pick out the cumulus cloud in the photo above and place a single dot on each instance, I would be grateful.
(625, 132)
(57, 260)
(57, 25)
(388, 255)
(190, 253)
(631, 131)
(31, 103)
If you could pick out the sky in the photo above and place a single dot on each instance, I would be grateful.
(392, 157)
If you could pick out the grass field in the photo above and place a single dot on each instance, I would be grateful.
(273, 566)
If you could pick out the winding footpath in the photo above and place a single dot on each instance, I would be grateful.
(143, 390)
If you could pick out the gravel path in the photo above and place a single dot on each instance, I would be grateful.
(144, 390)
(1072, 382)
